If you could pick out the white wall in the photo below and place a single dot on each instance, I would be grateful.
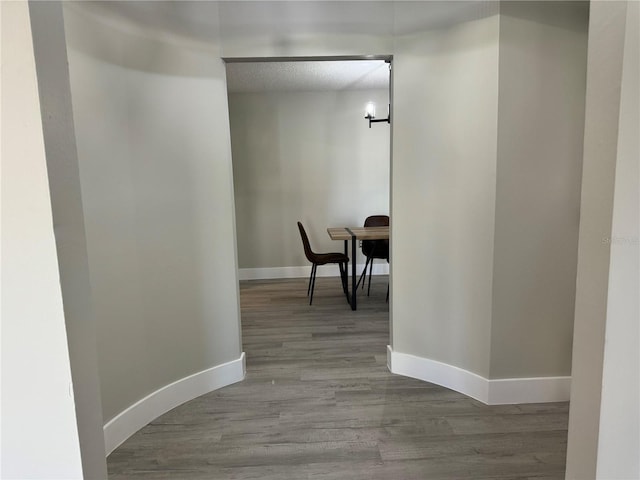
(487, 146)
(543, 52)
(68, 218)
(619, 429)
(155, 166)
(444, 179)
(307, 156)
(604, 73)
(39, 424)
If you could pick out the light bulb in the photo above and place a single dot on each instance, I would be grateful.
(370, 110)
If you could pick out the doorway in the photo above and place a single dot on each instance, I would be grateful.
(302, 150)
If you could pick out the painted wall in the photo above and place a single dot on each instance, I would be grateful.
(488, 145)
(155, 167)
(443, 184)
(604, 73)
(68, 218)
(540, 131)
(307, 156)
(39, 422)
(619, 438)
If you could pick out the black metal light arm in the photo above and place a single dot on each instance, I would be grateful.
(373, 119)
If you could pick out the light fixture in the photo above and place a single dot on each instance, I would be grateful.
(370, 114)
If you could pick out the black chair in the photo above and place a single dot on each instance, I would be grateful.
(322, 259)
(374, 248)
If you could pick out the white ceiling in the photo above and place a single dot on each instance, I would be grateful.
(307, 75)
(209, 21)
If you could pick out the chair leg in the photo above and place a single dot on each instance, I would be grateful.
(313, 267)
(346, 279)
(313, 282)
(364, 273)
(343, 276)
(370, 272)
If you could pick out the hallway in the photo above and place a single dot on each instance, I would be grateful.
(319, 402)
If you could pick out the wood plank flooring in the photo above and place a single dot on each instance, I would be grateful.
(319, 403)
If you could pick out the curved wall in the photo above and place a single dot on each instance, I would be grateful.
(444, 169)
(543, 58)
(492, 158)
(155, 168)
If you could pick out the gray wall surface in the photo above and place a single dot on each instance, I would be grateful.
(603, 437)
(443, 201)
(540, 131)
(68, 218)
(155, 168)
(496, 179)
(619, 428)
(307, 156)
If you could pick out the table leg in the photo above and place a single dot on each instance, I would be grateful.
(354, 287)
(345, 282)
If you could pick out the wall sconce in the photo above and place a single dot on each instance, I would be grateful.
(370, 114)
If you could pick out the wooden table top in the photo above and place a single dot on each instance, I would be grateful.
(361, 233)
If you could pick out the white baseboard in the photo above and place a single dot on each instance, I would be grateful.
(129, 421)
(490, 392)
(379, 268)
(529, 390)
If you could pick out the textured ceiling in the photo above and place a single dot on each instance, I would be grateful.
(307, 75)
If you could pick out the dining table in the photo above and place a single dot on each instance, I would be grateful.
(355, 234)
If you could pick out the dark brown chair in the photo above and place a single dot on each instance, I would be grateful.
(374, 248)
(322, 259)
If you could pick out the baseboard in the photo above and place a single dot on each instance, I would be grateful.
(529, 390)
(129, 421)
(303, 272)
(490, 392)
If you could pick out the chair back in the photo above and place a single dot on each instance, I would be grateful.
(377, 221)
(305, 243)
(376, 248)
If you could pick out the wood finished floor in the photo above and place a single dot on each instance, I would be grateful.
(319, 403)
